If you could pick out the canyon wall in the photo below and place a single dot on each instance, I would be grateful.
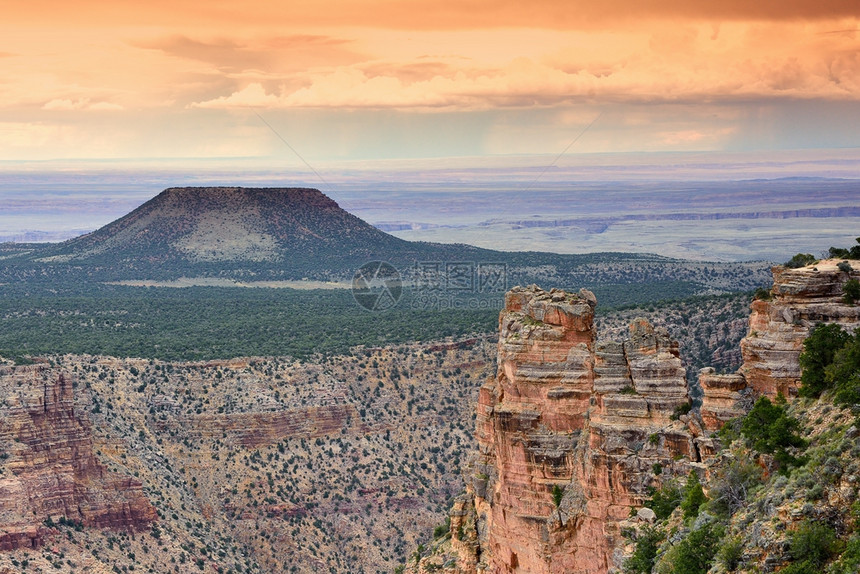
(779, 323)
(50, 470)
(571, 435)
(257, 464)
(800, 299)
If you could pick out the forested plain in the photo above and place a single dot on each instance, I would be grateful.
(195, 323)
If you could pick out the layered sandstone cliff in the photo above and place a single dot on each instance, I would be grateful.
(799, 300)
(636, 436)
(530, 417)
(571, 434)
(48, 470)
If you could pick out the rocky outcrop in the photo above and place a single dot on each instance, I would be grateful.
(549, 497)
(800, 299)
(570, 436)
(779, 323)
(49, 470)
(529, 421)
(644, 373)
(722, 394)
(636, 437)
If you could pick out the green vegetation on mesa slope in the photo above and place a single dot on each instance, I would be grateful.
(831, 363)
(778, 496)
(618, 275)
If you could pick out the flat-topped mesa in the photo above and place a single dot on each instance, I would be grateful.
(800, 299)
(50, 468)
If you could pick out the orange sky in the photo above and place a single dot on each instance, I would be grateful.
(380, 78)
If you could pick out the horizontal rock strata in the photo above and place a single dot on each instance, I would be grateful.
(569, 435)
(49, 469)
(800, 299)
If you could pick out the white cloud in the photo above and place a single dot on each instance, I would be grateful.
(105, 106)
(62, 104)
(251, 96)
(523, 82)
(80, 104)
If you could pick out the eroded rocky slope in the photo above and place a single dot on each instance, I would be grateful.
(252, 465)
(50, 470)
(262, 465)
